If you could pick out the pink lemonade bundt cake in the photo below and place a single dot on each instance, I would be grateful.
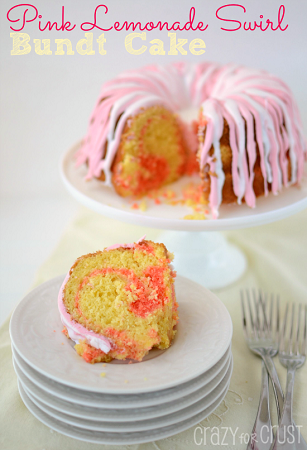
(239, 128)
(120, 303)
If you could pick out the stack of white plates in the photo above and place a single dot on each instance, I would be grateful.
(120, 403)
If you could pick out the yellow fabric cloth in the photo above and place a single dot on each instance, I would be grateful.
(276, 256)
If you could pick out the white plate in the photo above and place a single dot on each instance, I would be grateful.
(105, 201)
(122, 401)
(118, 415)
(203, 335)
(111, 438)
(140, 425)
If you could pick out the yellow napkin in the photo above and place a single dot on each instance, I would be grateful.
(276, 256)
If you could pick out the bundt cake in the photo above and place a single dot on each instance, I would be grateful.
(245, 138)
(120, 303)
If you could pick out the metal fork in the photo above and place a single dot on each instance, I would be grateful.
(263, 338)
(292, 355)
(261, 335)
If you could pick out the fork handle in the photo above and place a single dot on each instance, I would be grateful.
(288, 436)
(279, 397)
(262, 426)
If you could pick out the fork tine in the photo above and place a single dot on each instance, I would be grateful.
(246, 334)
(291, 330)
(277, 317)
(297, 349)
(263, 302)
(251, 313)
(271, 312)
(283, 332)
(256, 305)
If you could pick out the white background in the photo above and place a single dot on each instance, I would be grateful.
(46, 101)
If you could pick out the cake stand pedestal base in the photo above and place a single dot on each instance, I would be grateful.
(205, 257)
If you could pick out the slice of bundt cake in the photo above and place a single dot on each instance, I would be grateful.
(120, 303)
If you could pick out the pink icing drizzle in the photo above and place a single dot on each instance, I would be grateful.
(229, 92)
(132, 245)
(77, 331)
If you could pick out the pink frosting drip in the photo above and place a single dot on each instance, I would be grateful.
(77, 331)
(228, 92)
(132, 245)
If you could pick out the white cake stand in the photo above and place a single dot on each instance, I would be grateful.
(202, 253)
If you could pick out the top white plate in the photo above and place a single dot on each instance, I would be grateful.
(203, 336)
(104, 200)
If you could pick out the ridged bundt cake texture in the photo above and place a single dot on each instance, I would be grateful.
(246, 135)
(120, 303)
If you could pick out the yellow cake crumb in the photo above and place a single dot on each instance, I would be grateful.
(143, 206)
(169, 194)
(103, 374)
(196, 216)
(190, 195)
